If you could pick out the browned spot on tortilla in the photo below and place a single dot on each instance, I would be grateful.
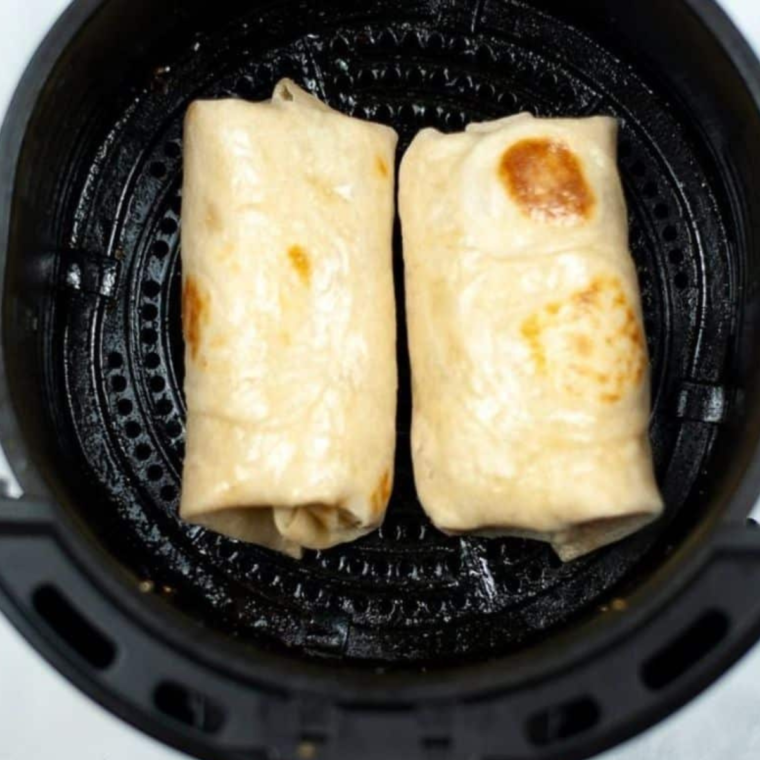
(589, 296)
(382, 167)
(195, 308)
(590, 345)
(584, 345)
(213, 217)
(546, 180)
(299, 259)
(531, 331)
(382, 493)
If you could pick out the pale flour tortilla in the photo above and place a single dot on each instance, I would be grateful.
(530, 370)
(289, 321)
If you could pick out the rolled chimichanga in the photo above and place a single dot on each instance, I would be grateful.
(530, 367)
(289, 321)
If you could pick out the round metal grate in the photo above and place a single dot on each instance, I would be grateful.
(406, 593)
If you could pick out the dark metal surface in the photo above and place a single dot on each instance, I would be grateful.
(406, 593)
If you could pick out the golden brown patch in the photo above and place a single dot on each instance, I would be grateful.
(195, 309)
(381, 494)
(532, 330)
(546, 180)
(382, 167)
(299, 259)
(590, 345)
(584, 346)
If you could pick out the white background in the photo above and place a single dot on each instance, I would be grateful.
(43, 717)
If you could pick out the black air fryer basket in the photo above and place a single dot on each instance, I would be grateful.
(407, 644)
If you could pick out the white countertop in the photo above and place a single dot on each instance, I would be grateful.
(42, 716)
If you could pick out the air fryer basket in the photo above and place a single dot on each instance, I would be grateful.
(407, 643)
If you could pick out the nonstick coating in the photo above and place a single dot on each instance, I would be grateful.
(406, 594)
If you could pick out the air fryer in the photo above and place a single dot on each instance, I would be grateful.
(408, 643)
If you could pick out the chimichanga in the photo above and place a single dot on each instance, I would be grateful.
(530, 366)
(289, 321)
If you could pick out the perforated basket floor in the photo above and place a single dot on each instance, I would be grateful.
(406, 593)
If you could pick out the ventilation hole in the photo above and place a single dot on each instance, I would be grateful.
(151, 288)
(115, 360)
(118, 383)
(454, 120)
(158, 170)
(677, 657)
(438, 78)
(562, 721)
(486, 91)
(188, 707)
(415, 77)
(160, 248)
(387, 39)
(661, 211)
(392, 76)
(124, 407)
(168, 226)
(155, 472)
(168, 493)
(675, 255)
(459, 45)
(681, 280)
(384, 113)
(73, 628)
(152, 360)
(508, 100)
(157, 384)
(459, 601)
(639, 169)
(133, 429)
(344, 83)
(366, 78)
(548, 80)
(411, 41)
(143, 452)
(361, 605)
(149, 312)
(174, 429)
(148, 336)
(339, 46)
(484, 55)
(164, 407)
(173, 150)
(244, 87)
(670, 234)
